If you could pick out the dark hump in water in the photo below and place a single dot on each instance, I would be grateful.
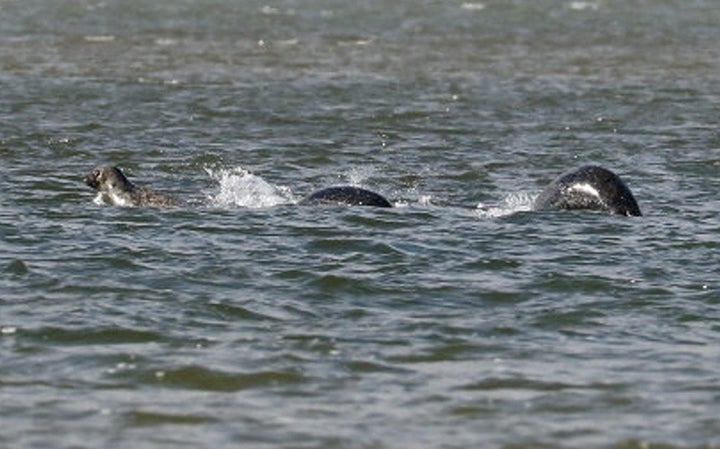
(345, 196)
(589, 187)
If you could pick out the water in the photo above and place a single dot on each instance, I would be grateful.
(457, 319)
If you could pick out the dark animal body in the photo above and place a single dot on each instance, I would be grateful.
(345, 196)
(589, 187)
(114, 188)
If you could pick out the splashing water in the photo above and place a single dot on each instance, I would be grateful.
(512, 203)
(238, 187)
(358, 175)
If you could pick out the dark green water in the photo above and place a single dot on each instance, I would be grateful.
(458, 319)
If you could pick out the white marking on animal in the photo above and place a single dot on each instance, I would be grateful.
(584, 188)
(119, 200)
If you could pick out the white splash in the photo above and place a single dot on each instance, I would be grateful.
(99, 38)
(512, 203)
(583, 6)
(269, 10)
(473, 6)
(425, 200)
(358, 175)
(238, 187)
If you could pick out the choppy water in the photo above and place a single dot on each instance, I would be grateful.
(458, 319)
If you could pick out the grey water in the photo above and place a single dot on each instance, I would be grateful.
(457, 319)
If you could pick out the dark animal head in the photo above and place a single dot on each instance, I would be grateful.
(107, 178)
(589, 187)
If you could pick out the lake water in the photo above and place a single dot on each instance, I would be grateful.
(458, 319)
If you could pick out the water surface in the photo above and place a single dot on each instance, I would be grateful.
(457, 319)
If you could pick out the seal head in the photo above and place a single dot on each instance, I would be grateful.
(345, 196)
(589, 187)
(114, 188)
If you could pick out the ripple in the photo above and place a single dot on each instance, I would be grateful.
(201, 378)
(139, 418)
(536, 385)
(94, 336)
(237, 312)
